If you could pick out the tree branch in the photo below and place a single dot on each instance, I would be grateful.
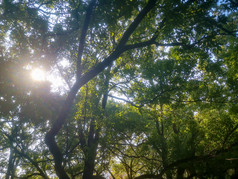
(187, 160)
(50, 136)
(83, 36)
(81, 80)
(151, 42)
(22, 154)
(135, 23)
(121, 99)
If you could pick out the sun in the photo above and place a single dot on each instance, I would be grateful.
(38, 74)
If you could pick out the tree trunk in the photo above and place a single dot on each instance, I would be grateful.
(90, 152)
(93, 136)
(10, 168)
(89, 166)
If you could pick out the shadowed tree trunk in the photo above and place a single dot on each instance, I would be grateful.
(93, 137)
(90, 159)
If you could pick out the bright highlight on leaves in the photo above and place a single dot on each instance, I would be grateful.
(38, 74)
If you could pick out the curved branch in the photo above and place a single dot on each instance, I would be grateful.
(81, 80)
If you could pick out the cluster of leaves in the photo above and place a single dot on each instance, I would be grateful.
(165, 105)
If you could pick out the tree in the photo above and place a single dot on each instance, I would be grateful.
(163, 55)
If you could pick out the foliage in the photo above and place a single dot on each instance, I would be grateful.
(150, 89)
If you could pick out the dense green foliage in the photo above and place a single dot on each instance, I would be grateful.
(150, 89)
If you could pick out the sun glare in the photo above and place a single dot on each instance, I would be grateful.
(38, 75)
(54, 77)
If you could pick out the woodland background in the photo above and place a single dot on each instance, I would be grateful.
(149, 89)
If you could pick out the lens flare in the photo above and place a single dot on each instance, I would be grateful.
(38, 75)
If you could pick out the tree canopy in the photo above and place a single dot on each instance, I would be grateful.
(131, 89)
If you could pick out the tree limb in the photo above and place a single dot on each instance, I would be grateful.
(22, 154)
(152, 42)
(50, 136)
(83, 36)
